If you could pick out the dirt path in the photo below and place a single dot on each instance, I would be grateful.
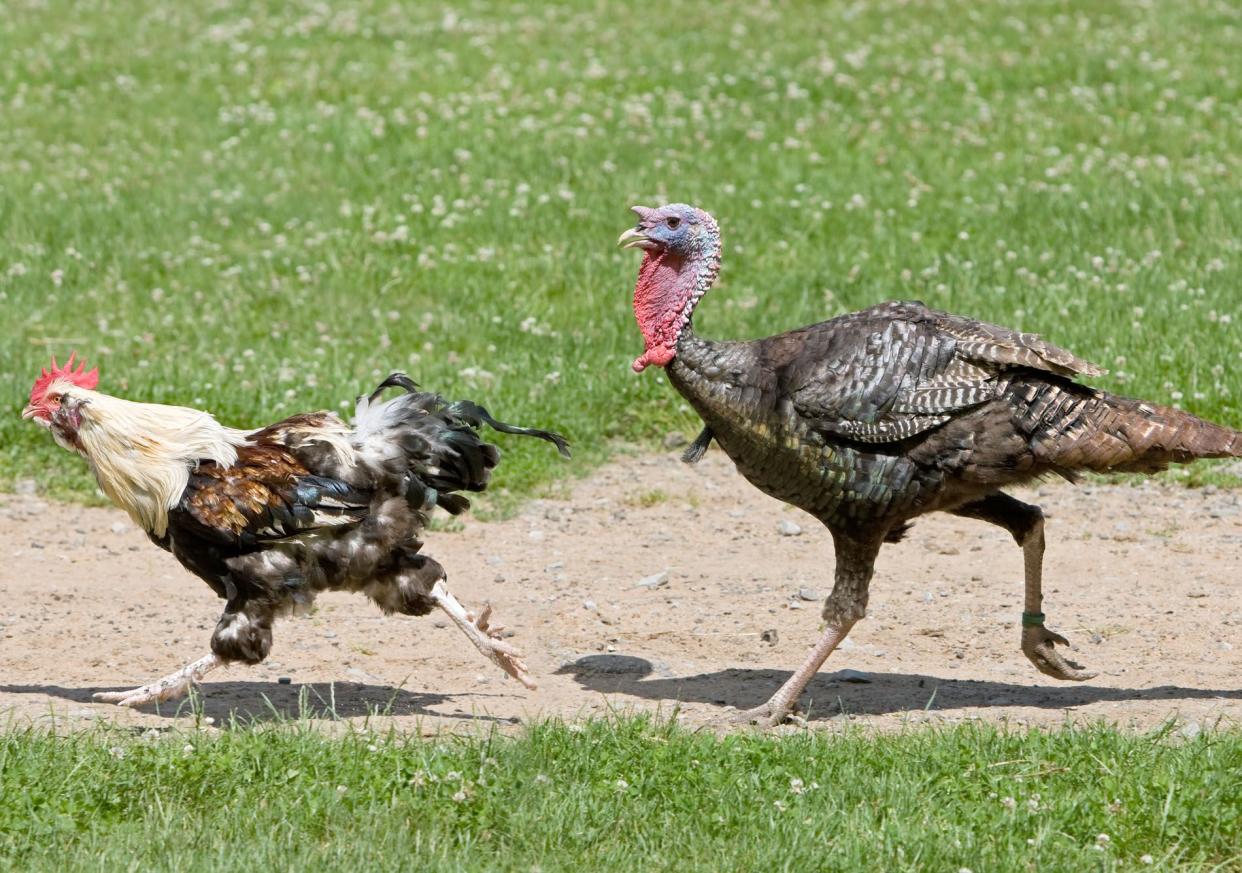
(1146, 582)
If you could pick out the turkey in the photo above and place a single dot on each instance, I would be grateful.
(872, 419)
(270, 518)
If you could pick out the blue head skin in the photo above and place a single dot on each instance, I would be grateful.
(681, 260)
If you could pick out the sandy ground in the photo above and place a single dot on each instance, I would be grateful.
(1145, 581)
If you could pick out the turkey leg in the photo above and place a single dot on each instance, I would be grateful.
(171, 687)
(1026, 524)
(485, 637)
(842, 610)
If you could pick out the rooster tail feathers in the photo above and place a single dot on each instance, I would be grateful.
(475, 415)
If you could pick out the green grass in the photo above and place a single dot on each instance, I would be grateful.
(622, 795)
(261, 207)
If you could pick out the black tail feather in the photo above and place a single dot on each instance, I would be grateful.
(695, 451)
(476, 415)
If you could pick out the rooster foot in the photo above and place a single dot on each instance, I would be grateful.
(1037, 645)
(486, 637)
(171, 687)
(507, 657)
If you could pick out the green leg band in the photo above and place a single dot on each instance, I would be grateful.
(1032, 619)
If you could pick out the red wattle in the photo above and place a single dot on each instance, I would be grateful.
(660, 299)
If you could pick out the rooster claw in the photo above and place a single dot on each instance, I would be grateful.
(1037, 645)
(153, 693)
(171, 687)
(486, 638)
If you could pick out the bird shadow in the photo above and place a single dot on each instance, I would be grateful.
(240, 703)
(853, 693)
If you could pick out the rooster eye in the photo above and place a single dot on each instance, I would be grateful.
(673, 222)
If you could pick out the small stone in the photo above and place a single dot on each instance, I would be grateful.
(853, 676)
(1225, 647)
(1097, 638)
(770, 636)
(498, 578)
(26, 487)
(810, 594)
(554, 566)
(927, 597)
(285, 680)
(675, 440)
(1190, 730)
(846, 645)
(789, 528)
(119, 527)
(495, 560)
(589, 605)
(440, 623)
(536, 536)
(656, 580)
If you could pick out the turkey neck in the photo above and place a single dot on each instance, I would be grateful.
(723, 382)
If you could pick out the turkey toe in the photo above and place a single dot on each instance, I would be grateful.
(1038, 645)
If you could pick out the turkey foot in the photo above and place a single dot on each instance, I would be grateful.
(171, 687)
(1037, 644)
(485, 637)
(780, 707)
(764, 716)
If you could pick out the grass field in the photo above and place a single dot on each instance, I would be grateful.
(262, 207)
(628, 795)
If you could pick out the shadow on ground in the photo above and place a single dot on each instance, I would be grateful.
(250, 702)
(830, 694)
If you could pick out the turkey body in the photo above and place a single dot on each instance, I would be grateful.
(873, 418)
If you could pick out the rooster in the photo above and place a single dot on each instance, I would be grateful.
(871, 419)
(269, 518)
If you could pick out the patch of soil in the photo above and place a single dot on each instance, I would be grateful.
(1145, 582)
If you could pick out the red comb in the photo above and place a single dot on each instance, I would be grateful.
(81, 377)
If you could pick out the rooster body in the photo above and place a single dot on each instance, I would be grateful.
(271, 518)
(872, 419)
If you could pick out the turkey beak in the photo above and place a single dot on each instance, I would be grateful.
(633, 239)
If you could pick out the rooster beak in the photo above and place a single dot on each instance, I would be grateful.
(29, 411)
(632, 238)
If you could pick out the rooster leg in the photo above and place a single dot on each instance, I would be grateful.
(1026, 523)
(485, 637)
(842, 610)
(171, 687)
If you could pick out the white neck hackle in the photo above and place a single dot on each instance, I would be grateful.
(142, 453)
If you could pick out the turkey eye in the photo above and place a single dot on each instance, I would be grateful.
(673, 222)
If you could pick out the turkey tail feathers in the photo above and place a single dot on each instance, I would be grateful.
(1073, 427)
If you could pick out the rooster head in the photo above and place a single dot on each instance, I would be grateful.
(57, 397)
(681, 246)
